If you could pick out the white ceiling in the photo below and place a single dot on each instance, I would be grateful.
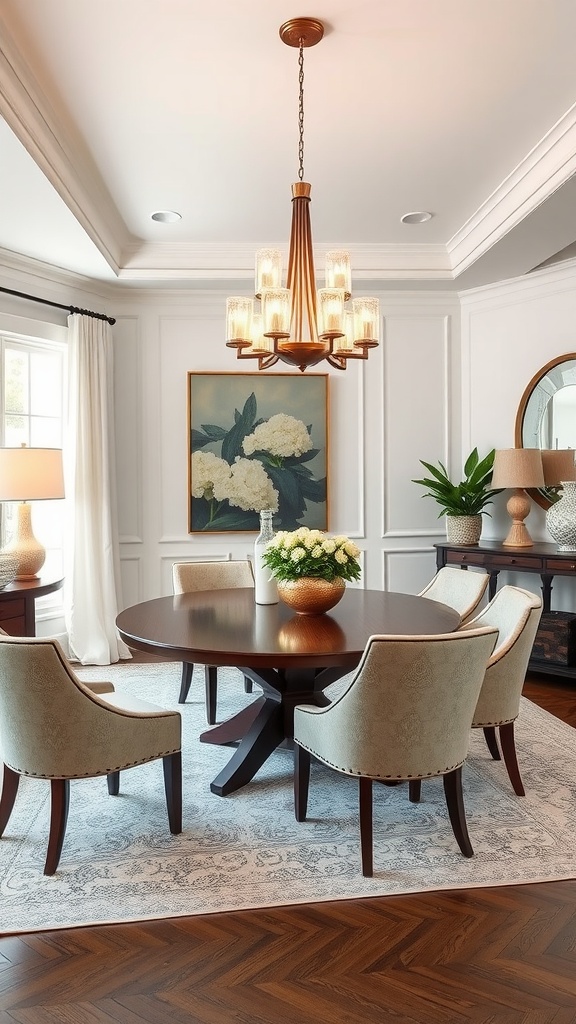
(116, 108)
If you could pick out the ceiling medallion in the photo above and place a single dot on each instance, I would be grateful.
(298, 324)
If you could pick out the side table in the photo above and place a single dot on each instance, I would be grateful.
(17, 611)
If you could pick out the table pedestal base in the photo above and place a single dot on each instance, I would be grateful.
(267, 722)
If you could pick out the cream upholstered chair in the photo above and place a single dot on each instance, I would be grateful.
(188, 577)
(405, 714)
(461, 589)
(516, 614)
(54, 727)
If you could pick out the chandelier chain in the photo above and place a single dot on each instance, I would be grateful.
(301, 113)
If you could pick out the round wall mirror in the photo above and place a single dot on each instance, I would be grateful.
(546, 416)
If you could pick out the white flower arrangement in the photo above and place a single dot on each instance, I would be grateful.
(305, 552)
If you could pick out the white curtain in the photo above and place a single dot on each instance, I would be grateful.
(91, 593)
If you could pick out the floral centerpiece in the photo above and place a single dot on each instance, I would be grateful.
(311, 567)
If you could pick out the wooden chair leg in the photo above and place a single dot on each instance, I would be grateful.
(211, 686)
(414, 790)
(455, 804)
(60, 802)
(248, 685)
(491, 741)
(301, 781)
(10, 783)
(113, 783)
(510, 758)
(172, 765)
(187, 670)
(366, 841)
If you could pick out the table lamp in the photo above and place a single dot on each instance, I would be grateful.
(29, 474)
(518, 468)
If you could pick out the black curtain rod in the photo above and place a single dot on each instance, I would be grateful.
(59, 305)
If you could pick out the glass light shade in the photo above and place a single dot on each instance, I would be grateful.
(239, 311)
(268, 270)
(260, 343)
(345, 344)
(366, 319)
(338, 272)
(330, 312)
(276, 312)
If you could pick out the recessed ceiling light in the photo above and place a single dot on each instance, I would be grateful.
(166, 216)
(418, 217)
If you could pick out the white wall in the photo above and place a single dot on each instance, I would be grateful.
(401, 405)
(448, 375)
(510, 331)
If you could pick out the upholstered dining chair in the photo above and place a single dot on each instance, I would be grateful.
(188, 577)
(390, 723)
(461, 589)
(516, 614)
(53, 726)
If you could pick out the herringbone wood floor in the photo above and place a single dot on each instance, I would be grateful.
(485, 956)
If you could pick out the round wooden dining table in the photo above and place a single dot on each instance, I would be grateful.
(293, 658)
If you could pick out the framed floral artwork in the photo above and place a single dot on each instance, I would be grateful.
(257, 441)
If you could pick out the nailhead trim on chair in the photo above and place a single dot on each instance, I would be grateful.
(485, 725)
(352, 771)
(107, 771)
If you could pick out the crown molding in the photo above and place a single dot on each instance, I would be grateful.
(546, 168)
(211, 262)
(61, 157)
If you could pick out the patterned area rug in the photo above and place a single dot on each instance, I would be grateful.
(120, 863)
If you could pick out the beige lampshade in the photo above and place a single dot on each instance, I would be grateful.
(517, 467)
(559, 465)
(31, 474)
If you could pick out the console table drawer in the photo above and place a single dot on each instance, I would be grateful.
(466, 558)
(517, 562)
(556, 565)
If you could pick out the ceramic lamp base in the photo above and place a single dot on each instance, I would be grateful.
(28, 551)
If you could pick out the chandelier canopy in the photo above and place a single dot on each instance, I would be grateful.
(297, 323)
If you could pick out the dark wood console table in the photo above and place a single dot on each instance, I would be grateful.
(17, 611)
(544, 559)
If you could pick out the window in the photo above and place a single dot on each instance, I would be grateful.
(32, 413)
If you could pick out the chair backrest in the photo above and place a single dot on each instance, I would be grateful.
(408, 709)
(188, 577)
(460, 589)
(516, 614)
(51, 724)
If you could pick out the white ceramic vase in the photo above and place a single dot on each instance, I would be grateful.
(561, 518)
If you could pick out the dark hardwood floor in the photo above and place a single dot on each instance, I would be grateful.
(487, 956)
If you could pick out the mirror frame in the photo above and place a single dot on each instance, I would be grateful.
(535, 494)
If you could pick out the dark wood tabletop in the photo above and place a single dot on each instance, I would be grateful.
(226, 627)
(293, 658)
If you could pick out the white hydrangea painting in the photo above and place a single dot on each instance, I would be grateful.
(257, 441)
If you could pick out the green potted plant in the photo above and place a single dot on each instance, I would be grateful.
(462, 503)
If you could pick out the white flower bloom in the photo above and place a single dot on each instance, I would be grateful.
(340, 556)
(298, 554)
(329, 546)
(317, 551)
(248, 487)
(352, 549)
(207, 470)
(281, 435)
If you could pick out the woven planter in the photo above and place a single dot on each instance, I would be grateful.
(463, 529)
